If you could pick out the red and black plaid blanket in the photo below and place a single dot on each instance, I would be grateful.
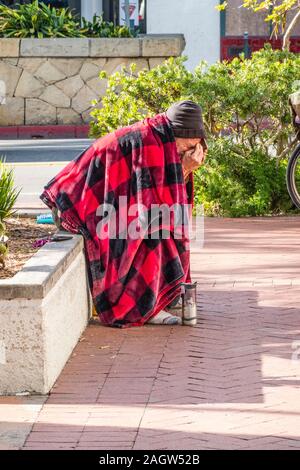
(131, 279)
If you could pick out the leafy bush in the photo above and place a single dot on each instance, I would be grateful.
(248, 98)
(8, 193)
(8, 197)
(104, 29)
(247, 118)
(38, 20)
(130, 96)
(233, 185)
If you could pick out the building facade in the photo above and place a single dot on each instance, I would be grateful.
(237, 23)
(111, 9)
(199, 21)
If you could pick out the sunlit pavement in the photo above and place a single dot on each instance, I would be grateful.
(35, 162)
(230, 383)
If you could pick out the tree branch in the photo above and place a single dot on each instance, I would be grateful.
(287, 34)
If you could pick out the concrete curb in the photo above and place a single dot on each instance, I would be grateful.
(43, 311)
(44, 132)
(41, 272)
(154, 45)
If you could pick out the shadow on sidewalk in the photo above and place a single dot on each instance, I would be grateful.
(218, 384)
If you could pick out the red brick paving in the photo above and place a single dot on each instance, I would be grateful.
(229, 383)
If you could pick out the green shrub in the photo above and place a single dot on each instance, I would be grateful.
(8, 193)
(130, 96)
(232, 185)
(246, 115)
(104, 29)
(8, 197)
(38, 20)
(248, 98)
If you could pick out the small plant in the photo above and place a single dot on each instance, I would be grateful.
(131, 96)
(8, 193)
(3, 245)
(104, 29)
(38, 20)
(8, 197)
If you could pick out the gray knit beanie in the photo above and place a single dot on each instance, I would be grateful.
(186, 120)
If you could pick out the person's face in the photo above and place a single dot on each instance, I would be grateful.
(185, 145)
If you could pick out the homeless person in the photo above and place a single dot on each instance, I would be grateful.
(111, 188)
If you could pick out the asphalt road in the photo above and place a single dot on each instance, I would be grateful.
(35, 162)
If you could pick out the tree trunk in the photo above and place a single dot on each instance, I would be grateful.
(288, 33)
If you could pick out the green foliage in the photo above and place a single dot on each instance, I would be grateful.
(246, 115)
(248, 98)
(233, 185)
(8, 193)
(3, 245)
(38, 20)
(8, 197)
(104, 29)
(131, 96)
(276, 11)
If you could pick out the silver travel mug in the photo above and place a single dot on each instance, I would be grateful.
(189, 303)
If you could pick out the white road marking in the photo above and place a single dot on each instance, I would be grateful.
(36, 164)
(30, 194)
(2, 353)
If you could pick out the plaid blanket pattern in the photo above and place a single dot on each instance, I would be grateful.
(130, 279)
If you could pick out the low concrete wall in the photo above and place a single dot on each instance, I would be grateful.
(53, 81)
(43, 311)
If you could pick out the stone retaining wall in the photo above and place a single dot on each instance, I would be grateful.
(53, 81)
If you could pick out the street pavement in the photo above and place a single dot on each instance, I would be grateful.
(232, 382)
(35, 162)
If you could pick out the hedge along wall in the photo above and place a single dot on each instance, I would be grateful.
(53, 81)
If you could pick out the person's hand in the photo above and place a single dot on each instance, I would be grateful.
(193, 159)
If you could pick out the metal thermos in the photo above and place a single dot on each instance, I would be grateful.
(189, 303)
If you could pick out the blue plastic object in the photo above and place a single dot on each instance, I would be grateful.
(45, 219)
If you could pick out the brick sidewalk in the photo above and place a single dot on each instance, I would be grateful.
(229, 383)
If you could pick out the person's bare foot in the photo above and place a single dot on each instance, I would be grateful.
(164, 318)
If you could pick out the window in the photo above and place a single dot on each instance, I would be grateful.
(112, 8)
(239, 20)
(236, 21)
